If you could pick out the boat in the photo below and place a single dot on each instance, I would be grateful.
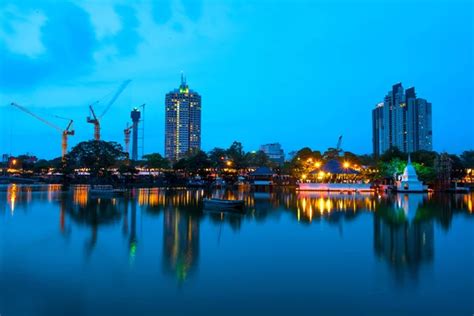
(223, 205)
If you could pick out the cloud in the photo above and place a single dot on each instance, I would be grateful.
(21, 31)
(127, 39)
(66, 40)
(162, 11)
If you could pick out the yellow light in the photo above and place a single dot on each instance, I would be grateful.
(317, 164)
(309, 160)
(346, 165)
(321, 174)
(304, 177)
(14, 161)
(229, 163)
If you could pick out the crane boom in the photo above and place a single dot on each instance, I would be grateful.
(339, 142)
(64, 133)
(115, 96)
(36, 116)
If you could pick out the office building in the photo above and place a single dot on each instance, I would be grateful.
(182, 122)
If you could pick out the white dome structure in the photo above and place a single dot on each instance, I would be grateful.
(409, 181)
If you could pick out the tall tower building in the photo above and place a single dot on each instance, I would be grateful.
(182, 122)
(135, 116)
(402, 120)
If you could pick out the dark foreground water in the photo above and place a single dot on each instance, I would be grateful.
(159, 253)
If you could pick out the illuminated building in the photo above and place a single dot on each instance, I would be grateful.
(274, 152)
(182, 122)
(402, 120)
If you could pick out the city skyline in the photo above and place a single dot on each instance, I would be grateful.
(344, 67)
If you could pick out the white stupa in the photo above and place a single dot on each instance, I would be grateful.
(409, 180)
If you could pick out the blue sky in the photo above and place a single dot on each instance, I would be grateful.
(296, 72)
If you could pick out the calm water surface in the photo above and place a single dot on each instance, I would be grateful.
(159, 252)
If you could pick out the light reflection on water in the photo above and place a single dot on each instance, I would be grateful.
(398, 231)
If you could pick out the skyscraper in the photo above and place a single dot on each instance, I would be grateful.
(182, 122)
(402, 120)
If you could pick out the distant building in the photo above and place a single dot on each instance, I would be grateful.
(274, 152)
(402, 120)
(182, 122)
(5, 158)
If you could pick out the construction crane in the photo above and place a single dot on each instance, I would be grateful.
(339, 151)
(127, 131)
(94, 119)
(68, 131)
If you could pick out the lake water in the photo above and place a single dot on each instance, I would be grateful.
(159, 252)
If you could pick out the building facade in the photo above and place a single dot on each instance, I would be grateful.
(402, 120)
(274, 152)
(182, 122)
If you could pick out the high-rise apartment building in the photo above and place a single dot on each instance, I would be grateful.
(402, 120)
(182, 122)
(274, 152)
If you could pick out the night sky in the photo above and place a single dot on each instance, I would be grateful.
(296, 72)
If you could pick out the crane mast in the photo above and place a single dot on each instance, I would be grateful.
(94, 119)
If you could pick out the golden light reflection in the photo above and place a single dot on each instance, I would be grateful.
(326, 203)
(80, 196)
(12, 194)
(467, 199)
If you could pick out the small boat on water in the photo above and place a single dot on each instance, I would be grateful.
(223, 205)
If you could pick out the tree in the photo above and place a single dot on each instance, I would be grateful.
(424, 157)
(97, 155)
(217, 157)
(366, 160)
(157, 161)
(257, 159)
(196, 163)
(391, 168)
(237, 155)
(393, 153)
(467, 158)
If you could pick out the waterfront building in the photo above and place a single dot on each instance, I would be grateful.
(402, 120)
(182, 122)
(274, 152)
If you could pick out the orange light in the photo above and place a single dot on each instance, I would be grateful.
(317, 164)
(346, 165)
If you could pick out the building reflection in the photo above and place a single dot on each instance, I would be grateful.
(402, 237)
(180, 243)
